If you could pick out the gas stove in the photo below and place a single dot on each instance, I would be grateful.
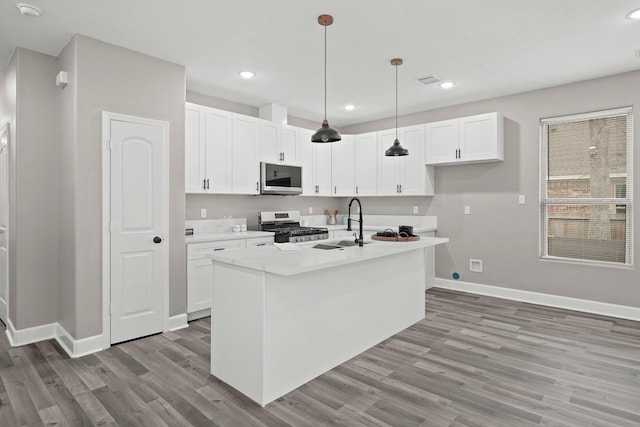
(287, 228)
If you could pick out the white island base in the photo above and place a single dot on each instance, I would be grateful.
(271, 332)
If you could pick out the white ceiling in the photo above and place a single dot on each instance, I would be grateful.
(489, 47)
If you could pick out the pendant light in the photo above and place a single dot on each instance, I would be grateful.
(325, 133)
(396, 149)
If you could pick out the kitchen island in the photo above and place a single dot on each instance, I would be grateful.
(281, 318)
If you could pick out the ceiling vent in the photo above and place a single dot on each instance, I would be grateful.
(429, 80)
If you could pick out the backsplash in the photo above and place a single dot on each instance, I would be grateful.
(208, 226)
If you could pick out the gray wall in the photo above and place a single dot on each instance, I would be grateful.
(29, 104)
(110, 78)
(503, 233)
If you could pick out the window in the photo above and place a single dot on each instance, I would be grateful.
(586, 187)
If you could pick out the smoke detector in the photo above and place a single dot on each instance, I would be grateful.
(429, 80)
(28, 9)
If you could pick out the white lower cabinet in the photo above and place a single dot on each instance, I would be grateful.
(200, 274)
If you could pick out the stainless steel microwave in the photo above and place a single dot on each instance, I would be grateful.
(280, 179)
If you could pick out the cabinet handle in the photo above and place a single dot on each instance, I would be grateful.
(357, 189)
(218, 249)
(459, 153)
(204, 184)
(257, 186)
(261, 244)
(208, 187)
(400, 188)
(335, 189)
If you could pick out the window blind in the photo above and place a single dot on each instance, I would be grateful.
(586, 179)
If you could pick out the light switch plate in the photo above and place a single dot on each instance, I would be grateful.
(203, 213)
(521, 199)
(467, 210)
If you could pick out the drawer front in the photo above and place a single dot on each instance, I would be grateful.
(198, 250)
(260, 241)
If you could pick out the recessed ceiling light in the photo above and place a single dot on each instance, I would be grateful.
(447, 85)
(349, 107)
(634, 14)
(28, 9)
(247, 74)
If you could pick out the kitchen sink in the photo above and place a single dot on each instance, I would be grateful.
(349, 243)
(327, 247)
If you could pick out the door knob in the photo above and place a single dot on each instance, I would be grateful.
(157, 239)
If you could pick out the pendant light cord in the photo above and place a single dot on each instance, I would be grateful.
(325, 72)
(396, 102)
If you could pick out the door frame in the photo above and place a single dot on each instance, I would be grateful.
(5, 129)
(107, 117)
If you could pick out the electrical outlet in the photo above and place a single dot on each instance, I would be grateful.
(415, 209)
(475, 265)
(203, 213)
(521, 199)
(467, 210)
(310, 210)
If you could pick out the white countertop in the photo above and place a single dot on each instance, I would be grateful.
(215, 237)
(270, 259)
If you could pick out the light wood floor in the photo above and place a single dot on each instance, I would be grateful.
(474, 361)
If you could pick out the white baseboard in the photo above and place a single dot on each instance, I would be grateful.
(178, 322)
(78, 347)
(18, 337)
(199, 314)
(588, 306)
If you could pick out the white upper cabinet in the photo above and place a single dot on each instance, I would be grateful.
(388, 167)
(342, 166)
(404, 175)
(269, 142)
(289, 144)
(315, 159)
(278, 142)
(472, 139)
(246, 155)
(305, 158)
(208, 133)
(194, 148)
(322, 168)
(366, 164)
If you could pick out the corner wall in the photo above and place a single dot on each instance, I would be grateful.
(501, 232)
(111, 78)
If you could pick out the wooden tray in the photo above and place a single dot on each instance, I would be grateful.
(395, 239)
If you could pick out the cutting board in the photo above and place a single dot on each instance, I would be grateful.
(395, 239)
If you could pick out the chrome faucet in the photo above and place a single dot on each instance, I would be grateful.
(359, 239)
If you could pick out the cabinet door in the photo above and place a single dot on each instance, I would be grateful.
(218, 150)
(269, 147)
(366, 164)
(322, 168)
(388, 167)
(305, 158)
(442, 142)
(246, 157)
(199, 284)
(480, 138)
(342, 167)
(194, 149)
(288, 144)
(414, 179)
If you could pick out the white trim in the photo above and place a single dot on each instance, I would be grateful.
(198, 314)
(106, 215)
(18, 337)
(587, 306)
(178, 322)
(78, 348)
(586, 116)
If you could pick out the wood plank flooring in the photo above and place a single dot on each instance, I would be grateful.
(474, 361)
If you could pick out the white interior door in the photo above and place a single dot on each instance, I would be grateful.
(139, 228)
(4, 222)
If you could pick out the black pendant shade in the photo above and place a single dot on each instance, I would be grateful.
(396, 149)
(325, 133)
